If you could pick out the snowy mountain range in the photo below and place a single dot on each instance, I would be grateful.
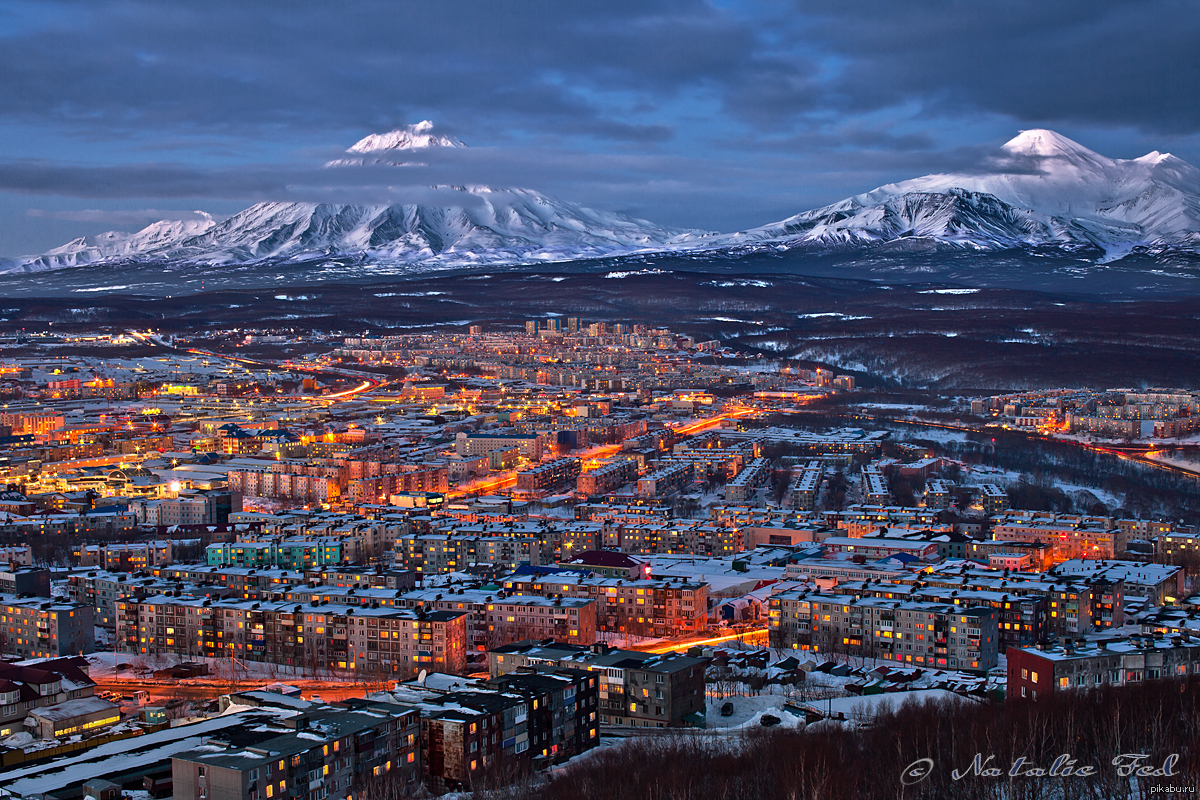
(1040, 190)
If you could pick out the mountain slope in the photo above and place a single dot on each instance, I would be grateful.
(489, 226)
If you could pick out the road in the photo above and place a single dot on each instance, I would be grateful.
(755, 636)
(508, 479)
(1127, 454)
(199, 689)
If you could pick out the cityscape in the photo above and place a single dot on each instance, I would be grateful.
(674, 400)
(492, 551)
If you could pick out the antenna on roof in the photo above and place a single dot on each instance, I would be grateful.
(421, 677)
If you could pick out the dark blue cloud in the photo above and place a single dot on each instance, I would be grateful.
(684, 111)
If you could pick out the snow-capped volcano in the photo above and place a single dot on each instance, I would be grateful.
(471, 225)
(410, 137)
(380, 148)
(1040, 189)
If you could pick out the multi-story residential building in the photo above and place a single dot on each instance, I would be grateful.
(431, 554)
(933, 634)
(638, 607)
(1178, 548)
(1159, 583)
(1014, 556)
(994, 498)
(1037, 673)
(607, 478)
(653, 536)
(551, 475)
(322, 752)
(1088, 537)
(25, 581)
(666, 480)
(636, 689)
(497, 618)
(297, 554)
(875, 548)
(125, 557)
(41, 628)
(473, 731)
(101, 590)
(805, 486)
(480, 444)
(368, 640)
(748, 480)
(874, 487)
(248, 583)
(20, 555)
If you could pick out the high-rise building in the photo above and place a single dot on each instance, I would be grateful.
(532, 326)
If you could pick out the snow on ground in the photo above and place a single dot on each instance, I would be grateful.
(749, 710)
(1175, 460)
(894, 406)
(1074, 490)
(745, 709)
(932, 434)
(101, 666)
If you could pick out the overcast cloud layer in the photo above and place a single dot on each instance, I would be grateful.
(716, 116)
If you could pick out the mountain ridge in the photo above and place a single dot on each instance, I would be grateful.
(1040, 190)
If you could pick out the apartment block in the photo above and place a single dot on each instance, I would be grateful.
(322, 752)
(368, 640)
(913, 632)
(636, 689)
(40, 628)
(1073, 665)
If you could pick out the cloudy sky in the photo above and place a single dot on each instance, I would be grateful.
(716, 115)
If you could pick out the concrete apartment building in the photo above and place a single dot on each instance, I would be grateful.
(806, 486)
(433, 554)
(25, 581)
(296, 554)
(666, 480)
(1037, 673)
(370, 640)
(874, 487)
(636, 689)
(742, 488)
(322, 752)
(913, 632)
(607, 478)
(474, 730)
(480, 444)
(1069, 537)
(497, 618)
(639, 607)
(41, 628)
(126, 557)
(551, 475)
